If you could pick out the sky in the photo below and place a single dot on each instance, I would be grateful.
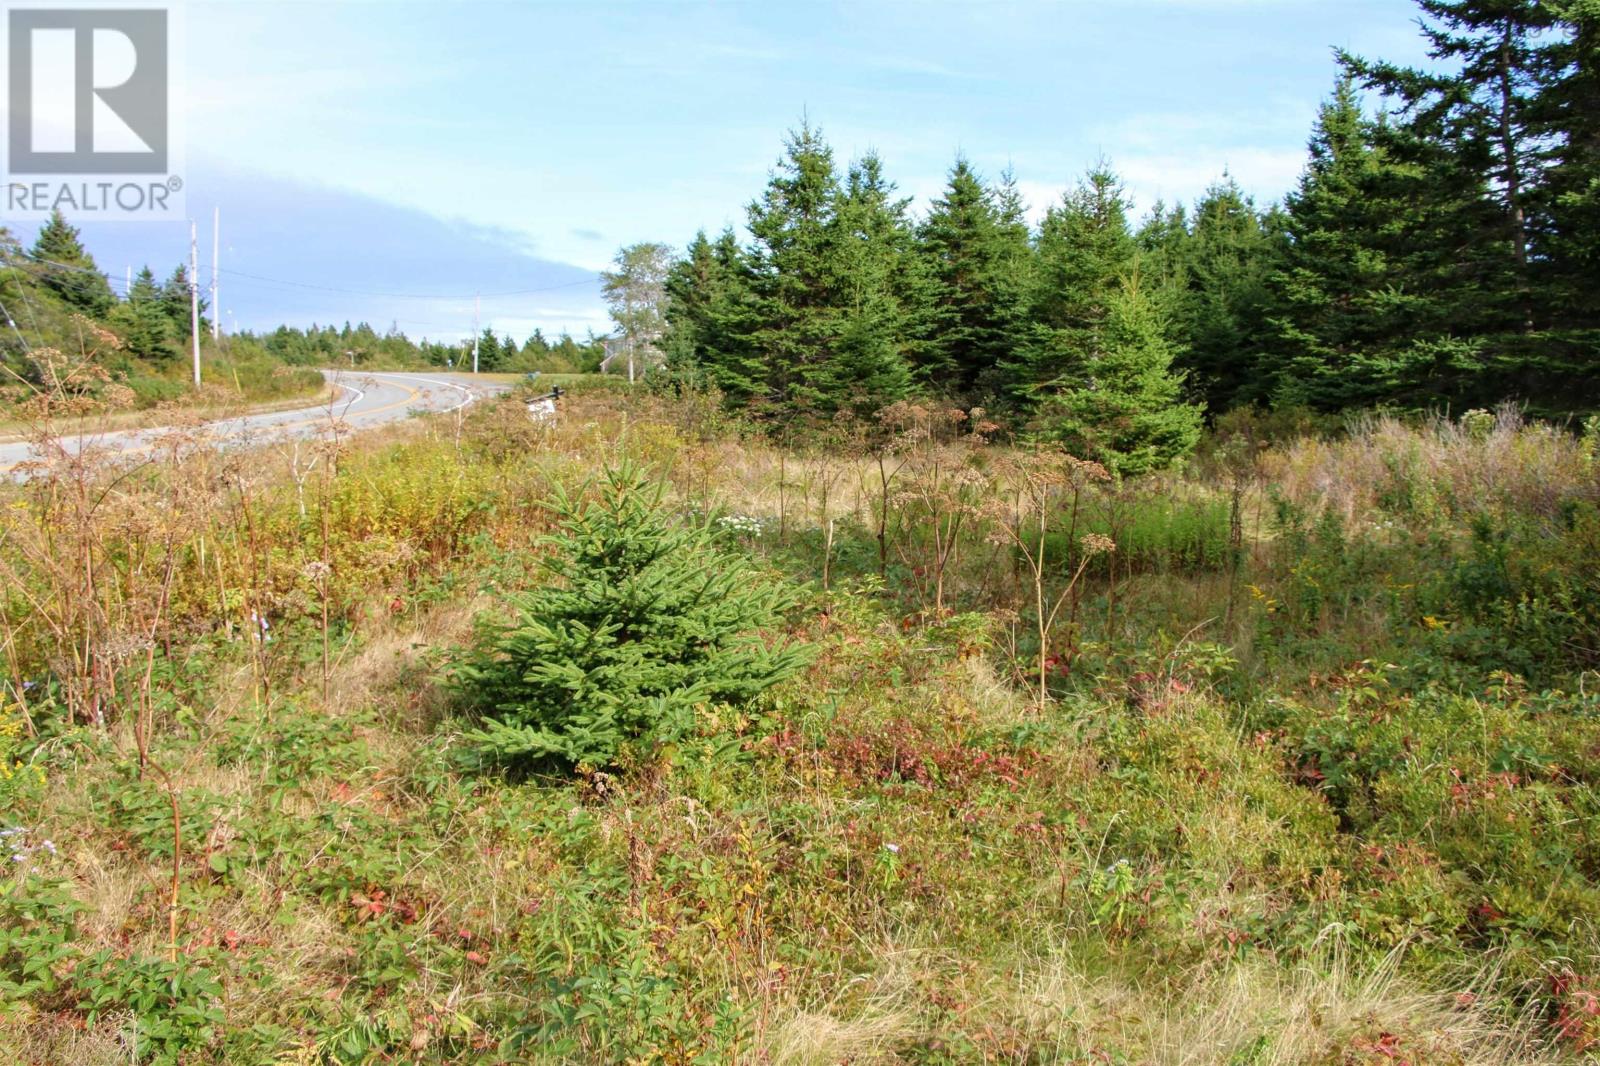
(386, 162)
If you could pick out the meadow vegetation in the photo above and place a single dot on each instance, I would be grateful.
(967, 751)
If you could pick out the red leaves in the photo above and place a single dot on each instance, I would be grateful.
(368, 907)
(1386, 1048)
(1577, 1009)
(376, 902)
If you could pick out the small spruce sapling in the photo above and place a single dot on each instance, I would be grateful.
(645, 619)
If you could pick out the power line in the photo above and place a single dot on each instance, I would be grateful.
(408, 295)
(22, 290)
(12, 323)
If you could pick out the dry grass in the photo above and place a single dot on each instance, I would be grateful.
(1464, 466)
(1319, 1013)
(48, 1041)
(864, 1021)
(389, 652)
(876, 1000)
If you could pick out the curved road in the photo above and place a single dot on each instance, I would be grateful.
(363, 399)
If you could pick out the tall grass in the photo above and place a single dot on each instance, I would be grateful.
(1305, 775)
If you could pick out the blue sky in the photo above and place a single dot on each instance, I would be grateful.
(409, 155)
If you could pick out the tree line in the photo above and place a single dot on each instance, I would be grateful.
(1439, 250)
(44, 285)
(55, 278)
(361, 345)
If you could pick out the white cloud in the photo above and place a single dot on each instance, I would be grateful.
(1264, 173)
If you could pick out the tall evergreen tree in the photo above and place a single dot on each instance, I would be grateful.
(794, 314)
(1085, 248)
(1222, 313)
(1126, 411)
(1490, 156)
(1346, 312)
(1568, 117)
(975, 254)
(1473, 114)
(146, 330)
(709, 318)
(1163, 239)
(489, 357)
(882, 293)
(175, 302)
(67, 269)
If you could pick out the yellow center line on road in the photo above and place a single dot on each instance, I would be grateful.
(411, 394)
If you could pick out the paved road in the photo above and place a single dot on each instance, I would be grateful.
(364, 399)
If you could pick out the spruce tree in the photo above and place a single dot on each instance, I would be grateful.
(1470, 119)
(1480, 128)
(1163, 239)
(709, 319)
(1127, 410)
(794, 314)
(67, 269)
(1567, 116)
(645, 619)
(975, 255)
(488, 351)
(175, 302)
(1224, 267)
(1342, 315)
(146, 330)
(1085, 248)
(882, 294)
(1016, 278)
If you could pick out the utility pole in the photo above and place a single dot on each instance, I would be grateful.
(475, 334)
(194, 300)
(127, 282)
(216, 245)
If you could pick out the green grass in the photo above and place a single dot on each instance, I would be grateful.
(1153, 534)
(1345, 818)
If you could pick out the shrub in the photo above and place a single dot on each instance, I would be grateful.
(645, 619)
(1467, 812)
(149, 391)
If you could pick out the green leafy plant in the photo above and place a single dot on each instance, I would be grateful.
(644, 619)
(176, 1005)
(38, 930)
